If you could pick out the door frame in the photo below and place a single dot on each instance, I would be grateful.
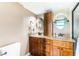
(74, 45)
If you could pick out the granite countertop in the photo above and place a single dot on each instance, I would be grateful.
(54, 38)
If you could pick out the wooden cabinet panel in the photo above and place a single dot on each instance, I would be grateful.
(33, 45)
(63, 44)
(49, 50)
(65, 48)
(36, 46)
(49, 42)
(57, 43)
(56, 51)
(67, 45)
(48, 23)
(67, 52)
(42, 47)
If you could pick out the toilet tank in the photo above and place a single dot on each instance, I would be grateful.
(10, 50)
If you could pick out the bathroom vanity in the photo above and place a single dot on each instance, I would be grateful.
(48, 46)
(59, 45)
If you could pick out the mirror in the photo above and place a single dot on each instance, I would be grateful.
(60, 21)
(39, 25)
(32, 23)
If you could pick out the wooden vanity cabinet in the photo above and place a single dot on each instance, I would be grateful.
(36, 46)
(47, 47)
(65, 48)
(67, 52)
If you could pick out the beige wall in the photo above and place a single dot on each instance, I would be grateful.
(12, 16)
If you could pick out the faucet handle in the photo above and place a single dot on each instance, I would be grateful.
(60, 34)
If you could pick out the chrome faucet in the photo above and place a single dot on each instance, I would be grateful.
(60, 34)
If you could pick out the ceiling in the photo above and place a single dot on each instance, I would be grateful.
(41, 7)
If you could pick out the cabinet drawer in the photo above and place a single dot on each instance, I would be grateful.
(63, 44)
(49, 42)
(67, 45)
(67, 52)
(57, 43)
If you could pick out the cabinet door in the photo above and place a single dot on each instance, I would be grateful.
(48, 47)
(33, 45)
(30, 44)
(67, 52)
(56, 51)
(37, 46)
(42, 47)
(49, 50)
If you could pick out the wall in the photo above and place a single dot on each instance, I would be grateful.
(67, 29)
(35, 25)
(12, 17)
